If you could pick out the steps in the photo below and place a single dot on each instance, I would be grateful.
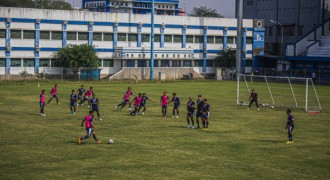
(321, 49)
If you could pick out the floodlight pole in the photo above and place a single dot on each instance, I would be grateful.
(239, 15)
(151, 63)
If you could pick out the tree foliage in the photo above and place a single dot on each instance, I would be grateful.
(76, 57)
(205, 12)
(39, 4)
(226, 58)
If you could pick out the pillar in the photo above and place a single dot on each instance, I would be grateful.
(115, 34)
(139, 36)
(225, 37)
(204, 48)
(90, 33)
(162, 36)
(64, 33)
(184, 36)
(37, 46)
(8, 48)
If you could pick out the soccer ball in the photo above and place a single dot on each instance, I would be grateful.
(271, 107)
(110, 141)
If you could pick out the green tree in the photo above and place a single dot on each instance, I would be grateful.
(39, 4)
(226, 58)
(205, 12)
(52, 4)
(17, 3)
(77, 57)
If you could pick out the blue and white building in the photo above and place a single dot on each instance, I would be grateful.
(162, 7)
(29, 37)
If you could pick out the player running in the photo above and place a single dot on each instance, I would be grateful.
(126, 99)
(253, 98)
(190, 113)
(42, 103)
(137, 101)
(290, 126)
(144, 102)
(205, 114)
(53, 94)
(176, 102)
(89, 124)
(87, 96)
(199, 103)
(81, 91)
(94, 104)
(164, 102)
(73, 101)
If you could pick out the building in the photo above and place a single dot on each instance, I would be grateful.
(298, 19)
(162, 7)
(29, 37)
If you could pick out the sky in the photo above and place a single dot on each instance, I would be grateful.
(224, 7)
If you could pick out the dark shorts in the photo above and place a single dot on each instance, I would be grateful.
(54, 96)
(204, 116)
(95, 108)
(79, 96)
(125, 101)
(164, 106)
(87, 98)
(198, 114)
(290, 128)
(89, 131)
(142, 105)
(136, 106)
(190, 114)
(42, 105)
(72, 103)
(176, 106)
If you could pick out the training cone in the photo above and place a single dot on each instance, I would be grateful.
(315, 112)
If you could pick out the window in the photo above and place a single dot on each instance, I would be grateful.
(28, 62)
(130, 63)
(28, 34)
(132, 37)
(219, 39)
(198, 63)
(82, 36)
(121, 37)
(72, 36)
(16, 34)
(148, 5)
(249, 40)
(270, 31)
(107, 36)
(97, 36)
(230, 40)
(168, 38)
(287, 30)
(157, 38)
(107, 63)
(199, 39)
(210, 39)
(177, 38)
(44, 62)
(45, 35)
(209, 63)
(2, 33)
(190, 39)
(142, 63)
(145, 38)
(143, 6)
(250, 2)
(2, 62)
(165, 63)
(176, 63)
(186, 63)
(300, 30)
(56, 35)
(15, 63)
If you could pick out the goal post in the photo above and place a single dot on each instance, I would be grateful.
(276, 91)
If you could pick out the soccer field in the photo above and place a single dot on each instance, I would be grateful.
(239, 144)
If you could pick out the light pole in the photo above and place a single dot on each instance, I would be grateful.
(281, 35)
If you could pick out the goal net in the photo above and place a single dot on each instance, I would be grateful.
(273, 91)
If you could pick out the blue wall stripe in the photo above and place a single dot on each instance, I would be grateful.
(49, 21)
(49, 49)
(25, 20)
(78, 22)
(104, 50)
(22, 49)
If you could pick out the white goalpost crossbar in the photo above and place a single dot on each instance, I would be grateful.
(308, 82)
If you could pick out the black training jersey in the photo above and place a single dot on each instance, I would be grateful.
(254, 96)
(144, 99)
(290, 120)
(73, 97)
(199, 105)
(81, 91)
(191, 106)
(176, 101)
(206, 107)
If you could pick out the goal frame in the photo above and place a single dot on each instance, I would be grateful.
(307, 80)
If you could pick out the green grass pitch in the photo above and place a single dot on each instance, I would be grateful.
(239, 144)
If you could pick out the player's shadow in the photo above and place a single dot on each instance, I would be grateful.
(269, 140)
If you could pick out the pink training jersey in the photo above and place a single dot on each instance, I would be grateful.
(42, 98)
(137, 100)
(54, 91)
(88, 120)
(89, 92)
(164, 100)
(127, 94)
